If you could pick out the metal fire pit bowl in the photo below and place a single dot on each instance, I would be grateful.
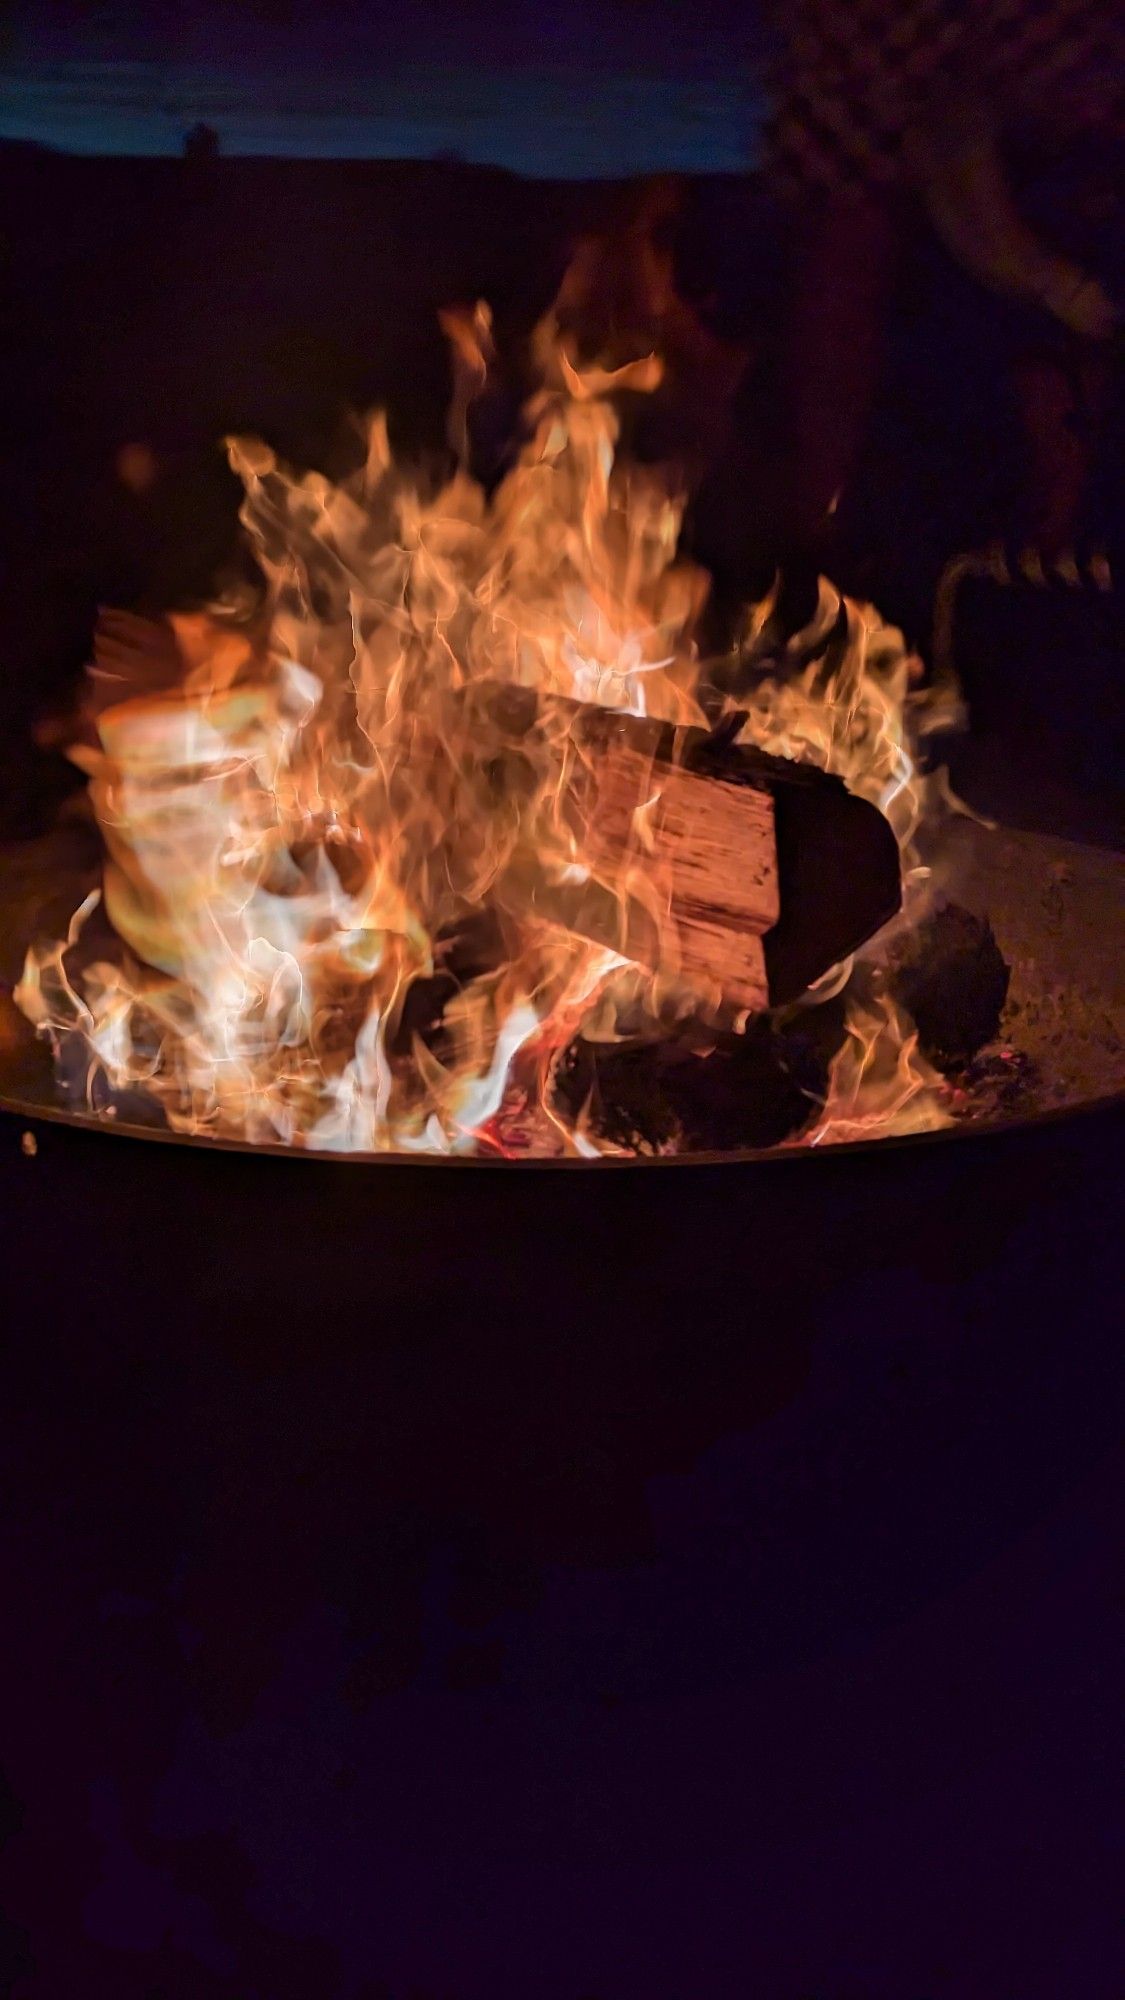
(1055, 906)
(101, 1218)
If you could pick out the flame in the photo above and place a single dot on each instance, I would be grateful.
(306, 811)
(848, 708)
(880, 1085)
(845, 708)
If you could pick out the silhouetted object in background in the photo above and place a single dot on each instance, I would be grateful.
(874, 105)
(201, 143)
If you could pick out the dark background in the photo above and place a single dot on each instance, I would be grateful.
(653, 1587)
(599, 87)
(453, 1582)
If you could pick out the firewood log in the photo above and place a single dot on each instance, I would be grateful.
(748, 875)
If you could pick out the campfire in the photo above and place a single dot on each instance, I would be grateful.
(454, 838)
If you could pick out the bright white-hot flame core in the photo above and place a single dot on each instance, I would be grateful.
(300, 835)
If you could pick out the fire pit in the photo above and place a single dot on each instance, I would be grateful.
(1054, 906)
(451, 840)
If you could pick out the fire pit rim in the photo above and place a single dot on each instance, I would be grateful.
(56, 1115)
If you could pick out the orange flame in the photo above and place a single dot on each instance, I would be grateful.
(880, 1085)
(303, 814)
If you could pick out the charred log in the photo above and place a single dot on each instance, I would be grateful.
(952, 978)
(694, 1093)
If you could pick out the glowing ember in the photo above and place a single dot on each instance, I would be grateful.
(313, 816)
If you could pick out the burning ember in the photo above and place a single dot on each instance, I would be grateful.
(402, 858)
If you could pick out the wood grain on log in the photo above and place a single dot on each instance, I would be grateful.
(695, 861)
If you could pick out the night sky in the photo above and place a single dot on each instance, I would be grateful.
(602, 85)
(656, 35)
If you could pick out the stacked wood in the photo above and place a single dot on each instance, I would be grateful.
(744, 876)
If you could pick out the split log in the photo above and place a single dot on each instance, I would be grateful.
(749, 875)
(672, 870)
(706, 856)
